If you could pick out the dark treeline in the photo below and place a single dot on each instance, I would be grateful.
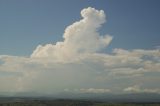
(70, 103)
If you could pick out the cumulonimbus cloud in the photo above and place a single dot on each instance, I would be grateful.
(79, 38)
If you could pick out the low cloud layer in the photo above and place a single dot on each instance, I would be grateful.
(137, 89)
(88, 90)
(93, 90)
(78, 63)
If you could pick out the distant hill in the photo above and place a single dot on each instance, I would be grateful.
(119, 98)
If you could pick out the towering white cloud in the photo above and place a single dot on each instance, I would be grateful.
(79, 38)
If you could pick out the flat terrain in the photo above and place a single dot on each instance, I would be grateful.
(69, 103)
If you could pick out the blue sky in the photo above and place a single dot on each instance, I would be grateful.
(24, 24)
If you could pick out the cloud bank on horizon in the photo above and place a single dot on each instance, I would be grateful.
(77, 64)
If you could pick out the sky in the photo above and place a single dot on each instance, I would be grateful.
(89, 46)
